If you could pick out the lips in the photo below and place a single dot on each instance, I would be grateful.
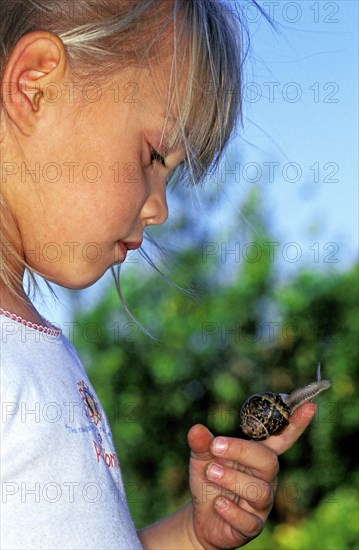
(132, 246)
(121, 249)
(121, 252)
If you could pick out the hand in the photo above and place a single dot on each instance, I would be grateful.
(230, 510)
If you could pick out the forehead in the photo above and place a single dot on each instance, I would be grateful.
(158, 97)
(158, 86)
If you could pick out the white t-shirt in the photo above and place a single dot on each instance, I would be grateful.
(61, 485)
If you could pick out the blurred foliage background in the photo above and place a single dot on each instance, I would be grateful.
(233, 332)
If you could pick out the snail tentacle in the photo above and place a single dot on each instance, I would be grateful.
(306, 393)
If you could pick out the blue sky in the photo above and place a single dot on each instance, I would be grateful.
(300, 133)
(299, 142)
(314, 60)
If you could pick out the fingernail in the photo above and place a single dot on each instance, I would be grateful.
(221, 503)
(220, 445)
(215, 472)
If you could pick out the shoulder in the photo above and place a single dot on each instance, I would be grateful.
(31, 359)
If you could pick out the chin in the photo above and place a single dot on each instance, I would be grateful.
(72, 279)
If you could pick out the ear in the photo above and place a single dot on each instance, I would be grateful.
(38, 59)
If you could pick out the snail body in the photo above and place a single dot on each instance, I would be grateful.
(265, 414)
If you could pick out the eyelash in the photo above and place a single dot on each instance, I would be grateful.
(155, 156)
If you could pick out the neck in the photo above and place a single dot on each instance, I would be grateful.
(20, 304)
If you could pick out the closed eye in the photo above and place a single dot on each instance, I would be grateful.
(156, 157)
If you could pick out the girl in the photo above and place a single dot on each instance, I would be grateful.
(102, 103)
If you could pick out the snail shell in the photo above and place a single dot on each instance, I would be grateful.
(265, 414)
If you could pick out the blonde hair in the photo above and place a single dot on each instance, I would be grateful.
(101, 37)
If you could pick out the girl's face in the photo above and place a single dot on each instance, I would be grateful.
(92, 180)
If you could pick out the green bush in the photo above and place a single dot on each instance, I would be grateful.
(212, 353)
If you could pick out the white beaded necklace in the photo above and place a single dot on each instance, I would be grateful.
(55, 331)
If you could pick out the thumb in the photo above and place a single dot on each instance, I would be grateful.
(299, 421)
(199, 439)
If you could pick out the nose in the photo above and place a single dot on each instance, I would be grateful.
(155, 209)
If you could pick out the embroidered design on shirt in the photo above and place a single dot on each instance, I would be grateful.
(110, 459)
(92, 409)
(93, 413)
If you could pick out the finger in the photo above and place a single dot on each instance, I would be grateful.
(257, 492)
(243, 455)
(298, 423)
(199, 439)
(247, 525)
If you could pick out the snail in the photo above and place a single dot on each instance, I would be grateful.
(267, 413)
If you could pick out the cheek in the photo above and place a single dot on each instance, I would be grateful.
(132, 194)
